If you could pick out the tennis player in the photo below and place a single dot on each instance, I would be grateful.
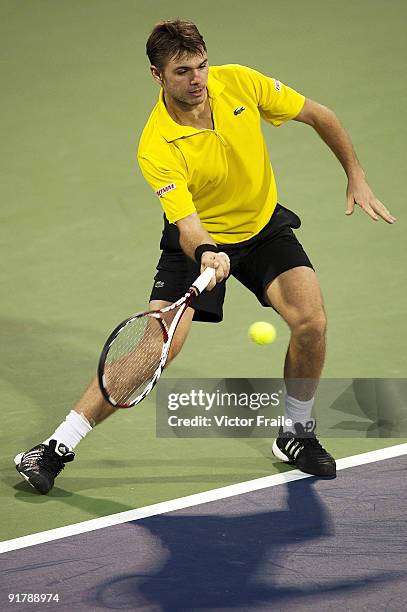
(203, 153)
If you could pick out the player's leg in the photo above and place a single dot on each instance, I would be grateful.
(296, 296)
(175, 274)
(278, 271)
(41, 464)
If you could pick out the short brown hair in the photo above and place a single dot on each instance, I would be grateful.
(171, 39)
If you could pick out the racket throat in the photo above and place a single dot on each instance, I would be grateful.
(163, 324)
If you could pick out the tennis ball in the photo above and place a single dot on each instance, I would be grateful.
(262, 332)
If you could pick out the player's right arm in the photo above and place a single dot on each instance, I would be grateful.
(166, 173)
(193, 235)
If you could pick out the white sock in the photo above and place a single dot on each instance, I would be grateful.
(70, 432)
(297, 411)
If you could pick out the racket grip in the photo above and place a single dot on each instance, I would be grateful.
(204, 279)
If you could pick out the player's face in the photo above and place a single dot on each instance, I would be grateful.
(185, 78)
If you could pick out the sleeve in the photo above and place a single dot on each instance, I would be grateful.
(169, 183)
(277, 102)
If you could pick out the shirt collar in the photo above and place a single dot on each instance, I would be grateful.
(170, 129)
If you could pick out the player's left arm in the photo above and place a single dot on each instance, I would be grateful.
(327, 125)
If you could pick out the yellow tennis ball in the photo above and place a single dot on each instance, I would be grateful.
(262, 332)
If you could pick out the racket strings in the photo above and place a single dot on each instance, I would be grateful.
(133, 359)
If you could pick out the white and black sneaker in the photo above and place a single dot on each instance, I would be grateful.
(42, 464)
(303, 450)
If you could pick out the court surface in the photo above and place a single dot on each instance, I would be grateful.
(306, 544)
(80, 233)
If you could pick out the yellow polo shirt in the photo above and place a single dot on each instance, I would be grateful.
(224, 174)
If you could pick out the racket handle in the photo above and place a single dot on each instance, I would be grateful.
(204, 279)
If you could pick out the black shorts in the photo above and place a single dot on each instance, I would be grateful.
(254, 262)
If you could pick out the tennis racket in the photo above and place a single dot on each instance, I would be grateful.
(135, 353)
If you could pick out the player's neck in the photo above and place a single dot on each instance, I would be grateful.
(199, 116)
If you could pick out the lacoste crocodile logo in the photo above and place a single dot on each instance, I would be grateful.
(239, 110)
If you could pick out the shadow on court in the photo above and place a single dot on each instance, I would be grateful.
(70, 494)
(308, 546)
(215, 562)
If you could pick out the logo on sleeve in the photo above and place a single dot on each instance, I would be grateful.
(160, 192)
(277, 84)
(239, 110)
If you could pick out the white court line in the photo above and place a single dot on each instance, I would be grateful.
(192, 500)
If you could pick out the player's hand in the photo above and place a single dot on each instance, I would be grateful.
(220, 262)
(359, 192)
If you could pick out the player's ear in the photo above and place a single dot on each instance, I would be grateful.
(156, 74)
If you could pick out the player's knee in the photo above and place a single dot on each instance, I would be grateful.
(310, 331)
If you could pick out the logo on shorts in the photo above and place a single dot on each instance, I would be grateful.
(239, 110)
(159, 284)
(277, 84)
(160, 192)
